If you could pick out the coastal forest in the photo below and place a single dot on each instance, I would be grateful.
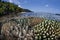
(10, 8)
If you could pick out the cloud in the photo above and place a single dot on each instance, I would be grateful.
(19, 5)
(46, 5)
(10, 1)
(15, 2)
(18, 2)
(23, 1)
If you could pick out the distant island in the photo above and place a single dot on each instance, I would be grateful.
(7, 8)
(57, 14)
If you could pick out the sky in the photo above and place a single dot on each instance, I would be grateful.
(51, 6)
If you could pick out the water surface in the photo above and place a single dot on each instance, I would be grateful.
(41, 14)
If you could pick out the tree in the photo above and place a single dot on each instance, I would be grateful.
(1, 11)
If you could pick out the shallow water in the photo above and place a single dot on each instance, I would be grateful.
(41, 14)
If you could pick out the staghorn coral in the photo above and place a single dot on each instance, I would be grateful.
(18, 29)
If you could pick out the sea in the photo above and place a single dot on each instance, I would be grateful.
(49, 16)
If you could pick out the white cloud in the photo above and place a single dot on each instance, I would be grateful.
(10, 1)
(19, 5)
(24, 1)
(16, 2)
(46, 5)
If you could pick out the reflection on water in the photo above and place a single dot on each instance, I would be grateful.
(44, 15)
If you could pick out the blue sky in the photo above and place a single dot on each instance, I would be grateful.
(51, 6)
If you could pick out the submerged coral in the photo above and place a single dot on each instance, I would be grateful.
(47, 30)
(19, 28)
(31, 29)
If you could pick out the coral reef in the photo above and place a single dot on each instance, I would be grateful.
(47, 30)
(32, 28)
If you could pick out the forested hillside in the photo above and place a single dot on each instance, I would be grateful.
(9, 8)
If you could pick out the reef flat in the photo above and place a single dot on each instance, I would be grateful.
(30, 28)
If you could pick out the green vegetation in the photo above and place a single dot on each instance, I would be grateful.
(47, 30)
(9, 8)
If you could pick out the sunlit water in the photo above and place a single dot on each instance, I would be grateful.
(44, 15)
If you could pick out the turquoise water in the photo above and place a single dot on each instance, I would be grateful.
(40, 14)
